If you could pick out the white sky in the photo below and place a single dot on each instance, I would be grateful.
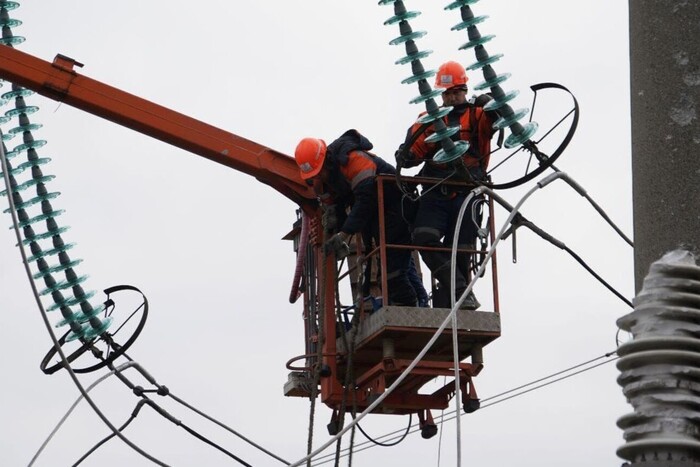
(203, 241)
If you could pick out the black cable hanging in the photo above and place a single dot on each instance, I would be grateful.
(231, 430)
(131, 418)
(164, 391)
(139, 391)
(520, 221)
(387, 445)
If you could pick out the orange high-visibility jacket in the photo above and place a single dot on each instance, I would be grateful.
(476, 127)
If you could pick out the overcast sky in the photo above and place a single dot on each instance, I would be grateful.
(203, 241)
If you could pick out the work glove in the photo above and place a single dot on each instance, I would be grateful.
(400, 160)
(337, 244)
(329, 218)
(405, 159)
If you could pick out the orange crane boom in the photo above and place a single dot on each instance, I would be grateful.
(58, 80)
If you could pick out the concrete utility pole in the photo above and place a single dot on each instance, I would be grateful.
(660, 366)
(665, 98)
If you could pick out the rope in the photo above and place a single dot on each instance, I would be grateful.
(319, 350)
(348, 367)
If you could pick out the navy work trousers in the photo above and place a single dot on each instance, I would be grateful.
(435, 226)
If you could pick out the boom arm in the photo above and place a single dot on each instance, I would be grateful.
(59, 81)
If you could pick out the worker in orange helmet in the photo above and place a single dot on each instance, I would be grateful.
(438, 208)
(344, 172)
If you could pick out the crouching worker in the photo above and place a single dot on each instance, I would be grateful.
(346, 172)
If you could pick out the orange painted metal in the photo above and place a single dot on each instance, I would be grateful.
(60, 81)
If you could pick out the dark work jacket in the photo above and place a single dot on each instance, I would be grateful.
(352, 182)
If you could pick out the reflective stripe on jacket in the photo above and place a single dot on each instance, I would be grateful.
(352, 179)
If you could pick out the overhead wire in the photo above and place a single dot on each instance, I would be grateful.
(214, 445)
(549, 383)
(455, 343)
(147, 401)
(455, 305)
(63, 419)
(605, 355)
(117, 371)
(225, 427)
(47, 325)
(581, 191)
(442, 419)
(164, 391)
(131, 418)
(387, 445)
(442, 414)
(521, 221)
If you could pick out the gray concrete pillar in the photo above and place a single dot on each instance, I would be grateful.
(665, 100)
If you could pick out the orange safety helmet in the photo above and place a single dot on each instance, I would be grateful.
(451, 74)
(310, 154)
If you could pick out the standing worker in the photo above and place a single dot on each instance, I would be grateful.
(346, 171)
(438, 208)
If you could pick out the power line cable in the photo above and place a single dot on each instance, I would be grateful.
(442, 419)
(606, 355)
(518, 220)
(521, 221)
(44, 317)
(225, 427)
(387, 445)
(117, 371)
(75, 404)
(453, 290)
(162, 390)
(581, 191)
(131, 418)
(147, 401)
(214, 445)
(549, 383)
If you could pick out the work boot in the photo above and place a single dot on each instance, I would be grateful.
(401, 292)
(470, 302)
